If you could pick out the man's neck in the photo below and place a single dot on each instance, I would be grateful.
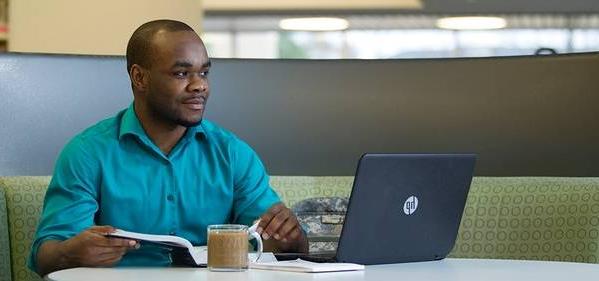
(164, 135)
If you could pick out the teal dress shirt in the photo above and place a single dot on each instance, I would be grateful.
(113, 174)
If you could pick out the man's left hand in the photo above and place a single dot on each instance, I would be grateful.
(281, 225)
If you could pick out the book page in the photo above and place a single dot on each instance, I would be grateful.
(167, 239)
(198, 254)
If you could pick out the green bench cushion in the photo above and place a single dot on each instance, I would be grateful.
(506, 217)
(293, 189)
(537, 218)
(5, 272)
(24, 200)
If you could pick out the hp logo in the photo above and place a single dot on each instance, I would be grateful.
(410, 206)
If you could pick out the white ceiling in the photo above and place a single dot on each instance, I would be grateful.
(411, 6)
(277, 5)
(511, 6)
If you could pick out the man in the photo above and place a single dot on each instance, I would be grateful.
(156, 167)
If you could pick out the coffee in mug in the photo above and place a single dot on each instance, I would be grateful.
(228, 247)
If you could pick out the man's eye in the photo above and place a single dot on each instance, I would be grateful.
(180, 73)
(204, 73)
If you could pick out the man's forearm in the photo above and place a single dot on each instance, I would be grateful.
(51, 257)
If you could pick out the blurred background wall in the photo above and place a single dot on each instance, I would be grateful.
(372, 29)
(88, 27)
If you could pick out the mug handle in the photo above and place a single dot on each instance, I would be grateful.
(256, 236)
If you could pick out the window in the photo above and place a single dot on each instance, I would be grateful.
(398, 36)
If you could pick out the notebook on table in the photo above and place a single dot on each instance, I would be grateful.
(402, 208)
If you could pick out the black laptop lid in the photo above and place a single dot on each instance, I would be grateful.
(405, 207)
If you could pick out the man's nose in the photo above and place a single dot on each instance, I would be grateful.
(198, 84)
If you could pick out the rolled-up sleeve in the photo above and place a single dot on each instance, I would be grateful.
(71, 200)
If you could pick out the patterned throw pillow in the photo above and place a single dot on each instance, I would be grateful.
(322, 219)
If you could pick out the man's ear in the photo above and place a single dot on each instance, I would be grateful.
(139, 78)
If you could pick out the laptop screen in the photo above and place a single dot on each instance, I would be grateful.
(405, 207)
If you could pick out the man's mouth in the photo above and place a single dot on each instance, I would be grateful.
(195, 103)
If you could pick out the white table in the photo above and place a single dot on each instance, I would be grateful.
(445, 270)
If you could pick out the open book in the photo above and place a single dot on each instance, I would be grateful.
(183, 252)
(300, 265)
(181, 249)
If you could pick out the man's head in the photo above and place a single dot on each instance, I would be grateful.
(168, 66)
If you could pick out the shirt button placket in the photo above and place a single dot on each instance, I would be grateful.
(171, 200)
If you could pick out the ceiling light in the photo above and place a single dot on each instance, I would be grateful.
(314, 24)
(471, 23)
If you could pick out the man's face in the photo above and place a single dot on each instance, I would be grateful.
(178, 78)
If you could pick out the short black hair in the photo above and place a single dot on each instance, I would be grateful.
(140, 43)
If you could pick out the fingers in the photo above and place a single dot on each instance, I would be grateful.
(103, 241)
(272, 229)
(289, 231)
(102, 229)
(268, 216)
(280, 223)
(98, 238)
(106, 246)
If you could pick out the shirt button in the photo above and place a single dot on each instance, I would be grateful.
(170, 197)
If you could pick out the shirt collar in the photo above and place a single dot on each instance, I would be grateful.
(130, 125)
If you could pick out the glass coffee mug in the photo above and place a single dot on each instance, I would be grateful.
(228, 247)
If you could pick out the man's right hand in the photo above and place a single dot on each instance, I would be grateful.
(89, 248)
(92, 248)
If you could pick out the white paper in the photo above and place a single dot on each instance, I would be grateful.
(300, 265)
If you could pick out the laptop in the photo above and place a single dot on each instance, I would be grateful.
(402, 208)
